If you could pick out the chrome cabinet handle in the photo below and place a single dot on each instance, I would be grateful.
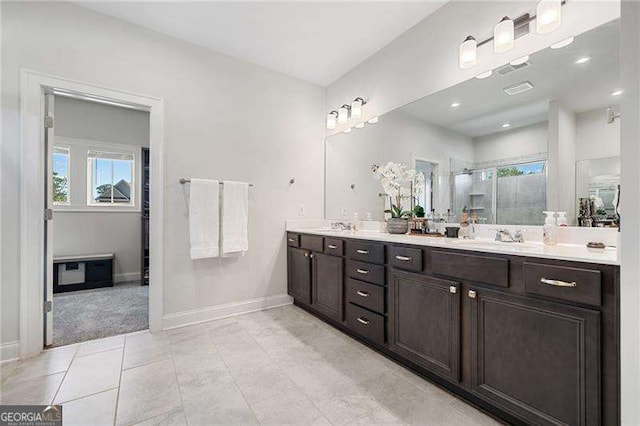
(363, 251)
(403, 258)
(362, 293)
(472, 294)
(558, 283)
(331, 246)
(363, 320)
(362, 271)
(453, 289)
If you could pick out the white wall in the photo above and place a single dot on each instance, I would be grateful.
(91, 124)
(424, 60)
(397, 138)
(630, 220)
(511, 144)
(595, 138)
(561, 160)
(224, 118)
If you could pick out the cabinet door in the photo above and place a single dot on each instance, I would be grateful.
(327, 285)
(424, 326)
(299, 271)
(537, 359)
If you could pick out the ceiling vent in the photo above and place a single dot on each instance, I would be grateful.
(508, 69)
(518, 88)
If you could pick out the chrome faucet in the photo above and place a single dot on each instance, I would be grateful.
(340, 225)
(503, 235)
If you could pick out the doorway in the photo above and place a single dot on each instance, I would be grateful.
(97, 235)
(35, 274)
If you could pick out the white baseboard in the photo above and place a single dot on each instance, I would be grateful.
(196, 316)
(127, 276)
(9, 351)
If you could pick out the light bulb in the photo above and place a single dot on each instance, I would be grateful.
(331, 120)
(548, 16)
(563, 43)
(468, 54)
(503, 35)
(343, 114)
(356, 108)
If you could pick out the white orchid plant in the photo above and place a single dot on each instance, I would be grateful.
(394, 178)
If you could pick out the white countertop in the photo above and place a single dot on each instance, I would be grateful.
(577, 253)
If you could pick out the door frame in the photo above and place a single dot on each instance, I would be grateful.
(32, 88)
(437, 174)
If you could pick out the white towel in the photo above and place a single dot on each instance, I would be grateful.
(235, 218)
(204, 218)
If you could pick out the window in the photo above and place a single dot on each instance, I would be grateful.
(110, 178)
(60, 175)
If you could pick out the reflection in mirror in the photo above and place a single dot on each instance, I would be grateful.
(597, 183)
(505, 147)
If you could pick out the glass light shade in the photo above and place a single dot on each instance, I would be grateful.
(503, 36)
(468, 54)
(356, 108)
(548, 16)
(331, 120)
(343, 114)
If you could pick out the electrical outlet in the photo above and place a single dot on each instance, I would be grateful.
(301, 209)
(343, 213)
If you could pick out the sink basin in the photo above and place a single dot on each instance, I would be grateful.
(495, 244)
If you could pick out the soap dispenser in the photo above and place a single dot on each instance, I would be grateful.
(550, 229)
(562, 219)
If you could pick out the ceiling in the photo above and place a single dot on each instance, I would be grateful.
(313, 41)
(484, 107)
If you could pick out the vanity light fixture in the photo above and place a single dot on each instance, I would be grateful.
(356, 107)
(455, 105)
(331, 120)
(563, 43)
(343, 114)
(582, 60)
(548, 16)
(468, 54)
(359, 125)
(616, 92)
(373, 120)
(520, 61)
(484, 75)
(503, 35)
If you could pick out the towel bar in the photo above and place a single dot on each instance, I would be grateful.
(183, 181)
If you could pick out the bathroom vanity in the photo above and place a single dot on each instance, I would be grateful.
(528, 333)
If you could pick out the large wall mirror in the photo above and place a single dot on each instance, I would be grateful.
(539, 134)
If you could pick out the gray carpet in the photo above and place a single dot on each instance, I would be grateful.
(93, 314)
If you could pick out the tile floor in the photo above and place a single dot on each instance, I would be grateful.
(281, 366)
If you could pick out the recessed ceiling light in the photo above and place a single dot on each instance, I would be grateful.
(373, 120)
(484, 75)
(455, 105)
(347, 130)
(520, 61)
(563, 43)
(582, 60)
(505, 125)
(359, 125)
(616, 93)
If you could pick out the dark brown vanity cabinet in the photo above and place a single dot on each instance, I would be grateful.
(424, 322)
(538, 359)
(299, 274)
(327, 285)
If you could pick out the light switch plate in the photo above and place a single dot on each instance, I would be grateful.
(301, 209)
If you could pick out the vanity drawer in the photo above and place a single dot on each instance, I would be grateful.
(334, 246)
(293, 240)
(562, 282)
(365, 272)
(366, 323)
(312, 242)
(366, 252)
(475, 268)
(367, 295)
(406, 258)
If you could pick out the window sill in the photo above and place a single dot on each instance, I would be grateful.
(58, 209)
